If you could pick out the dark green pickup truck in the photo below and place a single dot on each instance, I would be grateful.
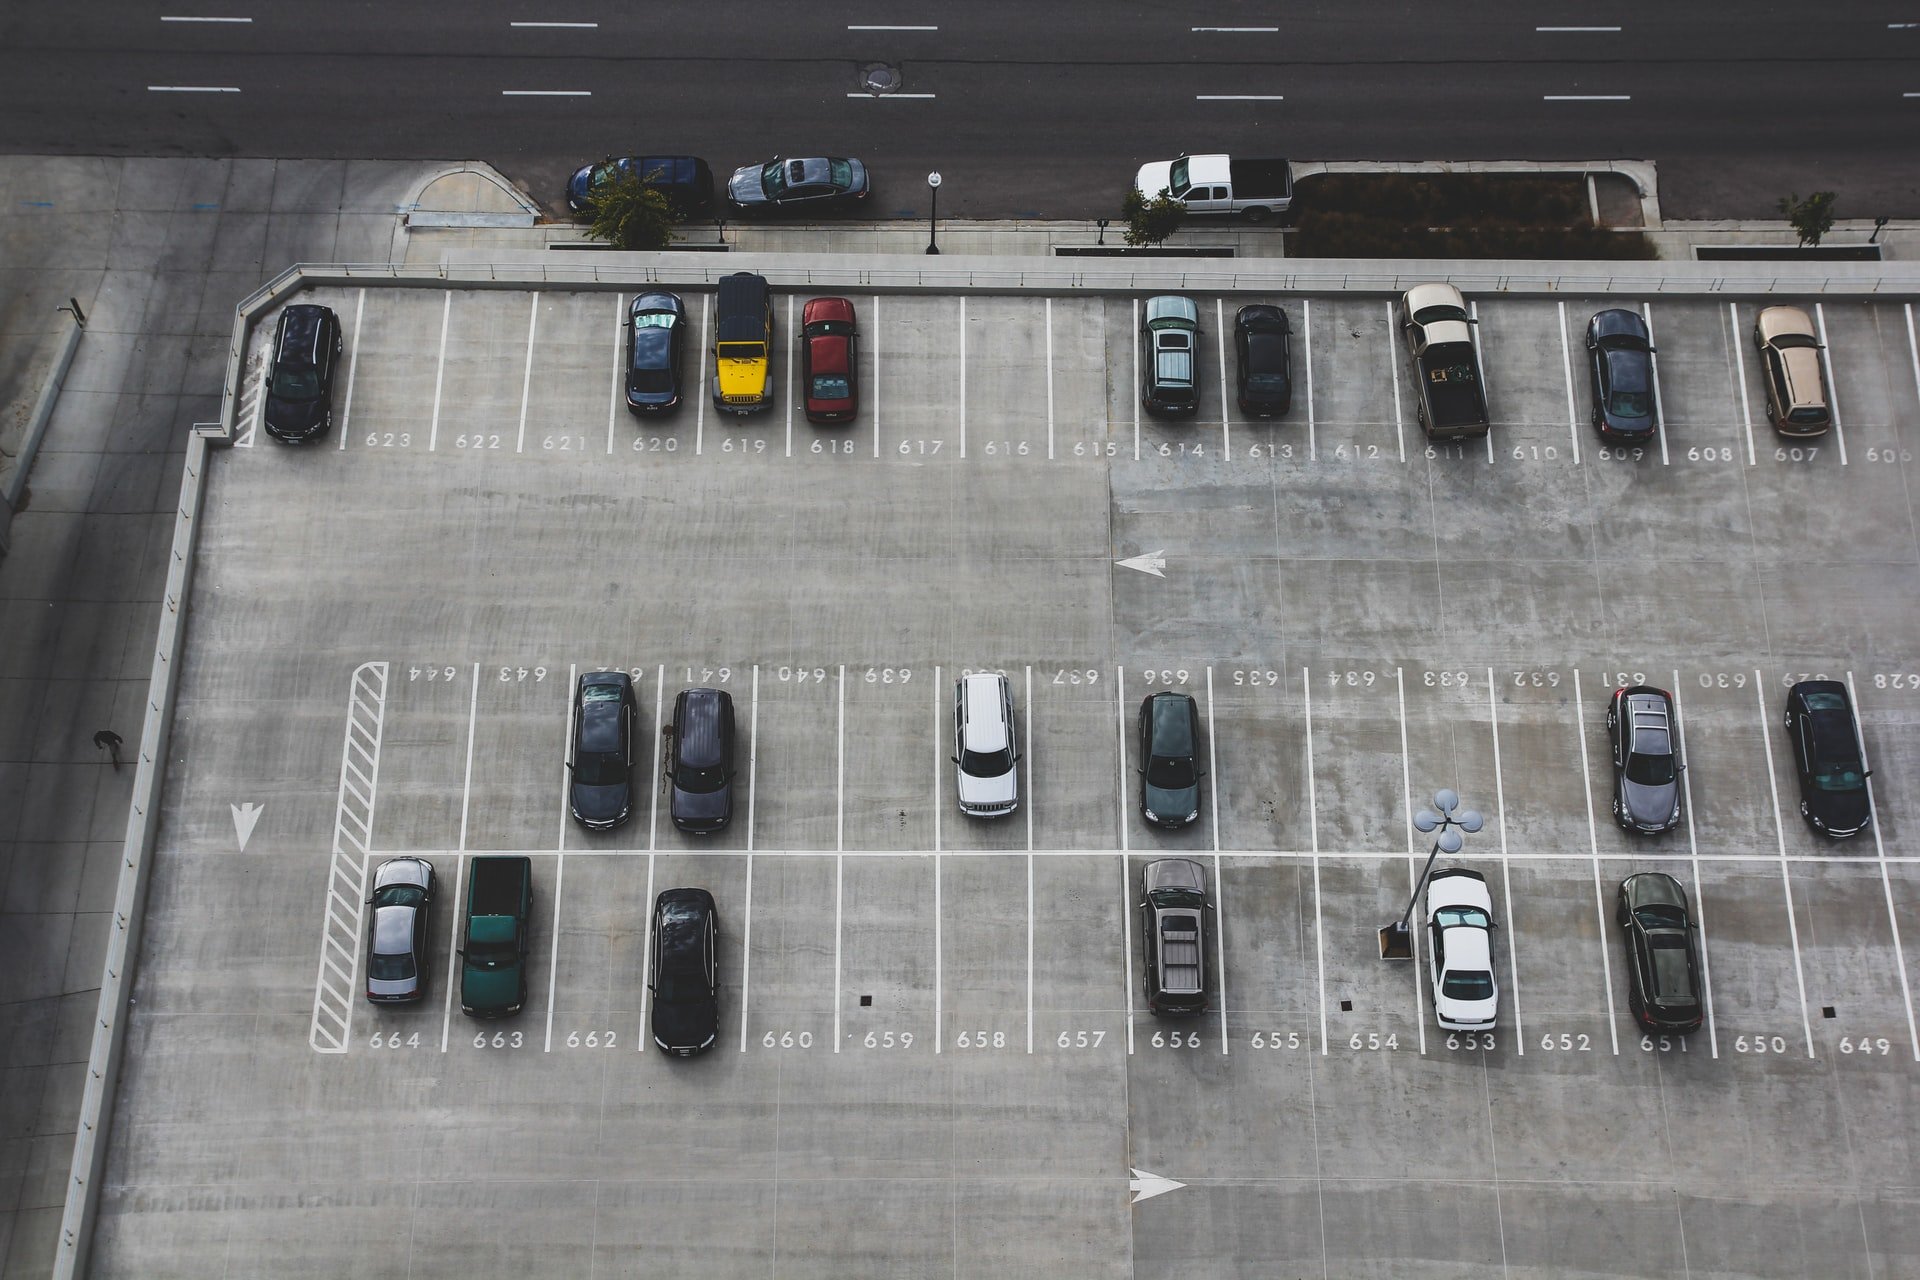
(493, 954)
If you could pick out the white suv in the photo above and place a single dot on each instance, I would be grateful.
(985, 746)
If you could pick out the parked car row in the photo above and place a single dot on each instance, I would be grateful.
(1435, 323)
(810, 185)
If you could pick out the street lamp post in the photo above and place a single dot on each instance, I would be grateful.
(933, 210)
(1396, 939)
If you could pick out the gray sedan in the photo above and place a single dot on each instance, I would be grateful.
(402, 905)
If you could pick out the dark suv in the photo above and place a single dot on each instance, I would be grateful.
(1646, 759)
(1827, 756)
(700, 760)
(686, 971)
(1169, 756)
(1263, 369)
(1663, 964)
(306, 353)
(600, 782)
(1173, 935)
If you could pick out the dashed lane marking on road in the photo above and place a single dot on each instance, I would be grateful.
(337, 981)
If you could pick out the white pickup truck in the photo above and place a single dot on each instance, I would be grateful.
(1254, 189)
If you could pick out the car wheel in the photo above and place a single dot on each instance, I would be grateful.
(1256, 214)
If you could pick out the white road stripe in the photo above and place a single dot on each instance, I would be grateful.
(1126, 884)
(1587, 97)
(1219, 880)
(1413, 872)
(646, 964)
(653, 778)
(889, 95)
(1573, 414)
(791, 362)
(839, 846)
(440, 370)
(330, 1029)
(1780, 837)
(453, 949)
(700, 399)
(546, 93)
(466, 783)
(618, 362)
(1399, 416)
(1220, 350)
(1238, 97)
(1134, 344)
(1913, 350)
(526, 377)
(963, 375)
(939, 760)
(191, 88)
(1313, 828)
(1659, 401)
(1886, 885)
(887, 27)
(1026, 742)
(1699, 889)
(1261, 30)
(1740, 368)
(1575, 29)
(1833, 388)
(753, 796)
(1593, 843)
(873, 392)
(568, 26)
(560, 840)
(165, 18)
(353, 366)
(1306, 334)
(1506, 875)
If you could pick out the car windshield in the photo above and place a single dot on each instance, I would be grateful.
(1650, 771)
(986, 764)
(1468, 984)
(389, 968)
(831, 386)
(599, 769)
(653, 381)
(1267, 382)
(1630, 404)
(1169, 773)
(842, 171)
(1178, 898)
(296, 384)
(654, 320)
(773, 179)
(1473, 917)
(1660, 916)
(1434, 315)
(1807, 415)
(1839, 775)
(700, 780)
(1177, 182)
(1785, 340)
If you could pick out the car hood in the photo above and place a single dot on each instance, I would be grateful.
(1843, 811)
(295, 416)
(601, 804)
(744, 186)
(702, 808)
(1175, 803)
(489, 988)
(1153, 178)
(685, 1024)
(1001, 790)
(1648, 806)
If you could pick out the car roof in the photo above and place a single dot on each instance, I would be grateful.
(828, 352)
(1172, 722)
(393, 931)
(743, 291)
(1617, 322)
(699, 715)
(985, 729)
(1468, 947)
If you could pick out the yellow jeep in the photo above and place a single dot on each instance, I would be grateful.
(743, 344)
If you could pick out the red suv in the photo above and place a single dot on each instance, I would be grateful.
(829, 350)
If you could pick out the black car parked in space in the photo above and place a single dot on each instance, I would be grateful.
(1174, 924)
(306, 354)
(1663, 962)
(656, 352)
(1620, 370)
(1646, 759)
(1169, 755)
(686, 971)
(1827, 755)
(700, 760)
(1263, 346)
(600, 786)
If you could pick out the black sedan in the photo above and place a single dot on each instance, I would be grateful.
(686, 971)
(1169, 759)
(401, 908)
(600, 783)
(822, 184)
(306, 355)
(1263, 347)
(1663, 960)
(656, 352)
(1827, 756)
(1620, 368)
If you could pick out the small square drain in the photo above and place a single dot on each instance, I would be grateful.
(1346, 1006)
(865, 1001)
(1828, 1011)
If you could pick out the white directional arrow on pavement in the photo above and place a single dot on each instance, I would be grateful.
(1145, 1186)
(244, 816)
(1153, 562)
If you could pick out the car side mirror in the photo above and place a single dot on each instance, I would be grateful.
(461, 952)
(569, 765)
(955, 759)
(1866, 775)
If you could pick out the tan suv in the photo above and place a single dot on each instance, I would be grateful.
(1790, 366)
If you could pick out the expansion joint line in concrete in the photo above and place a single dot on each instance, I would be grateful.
(338, 978)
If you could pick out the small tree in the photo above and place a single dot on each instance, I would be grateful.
(628, 214)
(1151, 221)
(1812, 217)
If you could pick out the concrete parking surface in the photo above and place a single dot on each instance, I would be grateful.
(934, 1056)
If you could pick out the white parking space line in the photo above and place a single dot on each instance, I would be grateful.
(453, 950)
(839, 847)
(939, 759)
(792, 360)
(1049, 382)
(641, 1036)
(753, 795)
(653, 778)
(1693, 854)
(1886, 886)
(1133, 393)
(1413, 869)
(1126, 884)
(1393, 379)
(1833, 388)
(1313, 827)
(1027, 751)
(466, 785)
(353, 361)
(1740, 373)
(1219, 881)
(1220, 351)
(619, 364)
(1566, 363)
(1913, 353)
(700, 397)
(1593, 843)
(1780, 836)
(963, 375)
(560, 843)
(526, 377)
(1506, 877)
(1659, 401)
(873, 407)
(440, 371)
(1480, 365)
(1306, 334)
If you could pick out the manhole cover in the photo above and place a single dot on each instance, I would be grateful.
(878, 77)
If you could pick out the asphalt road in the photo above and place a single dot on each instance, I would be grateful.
(1035, 110)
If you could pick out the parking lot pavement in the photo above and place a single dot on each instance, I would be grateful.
(934, 1053)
